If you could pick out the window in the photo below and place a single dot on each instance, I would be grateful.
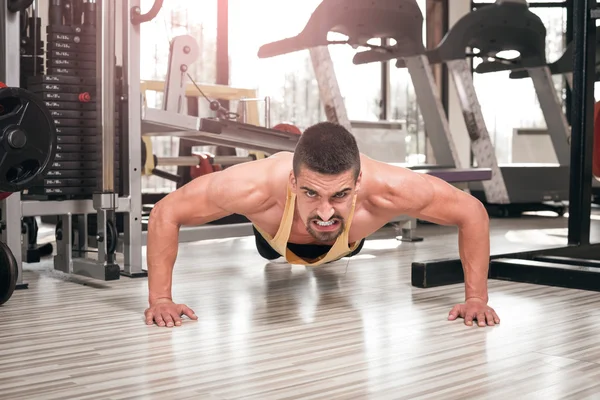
(176, 17)
(403, 106)
(289, 80)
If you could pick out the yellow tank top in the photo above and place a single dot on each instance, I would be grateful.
(279, 242)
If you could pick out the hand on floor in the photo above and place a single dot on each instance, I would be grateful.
(474, 309)
(166, 313)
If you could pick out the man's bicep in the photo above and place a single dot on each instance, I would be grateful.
(212, 196)
(432, 199)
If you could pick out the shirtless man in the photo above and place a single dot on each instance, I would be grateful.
(315, 206)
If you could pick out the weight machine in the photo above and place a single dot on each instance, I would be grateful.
(123, 98)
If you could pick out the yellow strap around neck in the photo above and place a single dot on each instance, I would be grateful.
(279, 242)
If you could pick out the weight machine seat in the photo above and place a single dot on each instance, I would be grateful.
(564, 64)
(504, 25)
(360, 20)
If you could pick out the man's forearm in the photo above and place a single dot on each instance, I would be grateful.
(162, 247)
(474, 249)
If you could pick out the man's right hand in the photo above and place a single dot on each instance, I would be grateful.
(166, 313)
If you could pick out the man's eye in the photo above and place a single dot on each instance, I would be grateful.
(310, 193)
(340, 195)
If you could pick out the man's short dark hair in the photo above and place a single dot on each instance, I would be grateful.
(327, 148)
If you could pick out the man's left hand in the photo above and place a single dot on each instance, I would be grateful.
(474, 309)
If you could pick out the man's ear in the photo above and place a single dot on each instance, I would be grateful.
(358, 181)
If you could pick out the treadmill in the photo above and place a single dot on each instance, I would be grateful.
(361, 21)
(504, 25)
(564, 66)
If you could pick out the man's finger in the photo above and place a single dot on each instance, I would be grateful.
(159, 320)
(188, 312)
(469, 319)
(168, 319)
(454, 313)
(481, 318)
(496, 317)
(149, 317)
(176, 318)
(490, 318)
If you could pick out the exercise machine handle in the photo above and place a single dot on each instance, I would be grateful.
(19, 5)
(138, 18)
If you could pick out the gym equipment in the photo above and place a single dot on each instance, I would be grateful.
(596, 153)
(504, 25)
(575, 265)
(28, 139)
(564, 66)
(8, 273)
(361, 21)
(285, 127)
(200, 164)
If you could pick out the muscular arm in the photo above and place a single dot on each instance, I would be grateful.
(238, 190)
(432, 199)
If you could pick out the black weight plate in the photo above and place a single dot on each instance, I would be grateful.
(68, 114)
(66, 182)
(52, 62)
(40, 79)
(70, 173)
(75, 123)
(61, 71)
(61, 88)
(8, 273)
(27, 139)
(62, 46)
(62, 54)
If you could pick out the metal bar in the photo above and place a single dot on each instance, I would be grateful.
(9, 74)
(184, 52)
(193, 161)
(580, 191)
(165, 123)
(555, 118)
(105, 67)
(132, 173)
(63, 261)
(329, 88)
(434, 115)
(481, 144)
(32, 208)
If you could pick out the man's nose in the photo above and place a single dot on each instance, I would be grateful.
(325, 211)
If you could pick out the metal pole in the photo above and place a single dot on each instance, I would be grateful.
(9, 74)
(105, 64)
(584, 40)
(132, 173)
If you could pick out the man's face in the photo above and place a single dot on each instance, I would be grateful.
(324, 202)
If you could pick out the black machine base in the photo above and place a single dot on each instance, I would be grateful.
(22, 286)
(143, 274)
(575, 267)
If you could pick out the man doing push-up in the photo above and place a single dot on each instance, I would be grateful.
(315, 206)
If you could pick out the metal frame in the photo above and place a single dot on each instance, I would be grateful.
(574, 265)
(481, 143)
(10, 65)
(556, 120)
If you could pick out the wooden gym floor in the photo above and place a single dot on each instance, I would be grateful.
(271, 331)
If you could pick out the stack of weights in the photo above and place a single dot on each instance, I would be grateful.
(69, 90)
